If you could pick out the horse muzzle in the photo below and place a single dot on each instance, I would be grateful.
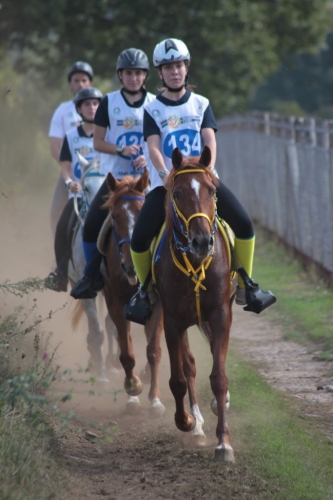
(202, 245)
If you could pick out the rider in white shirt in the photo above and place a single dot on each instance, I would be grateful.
(119, 137)
(66, 117)
(78, 140)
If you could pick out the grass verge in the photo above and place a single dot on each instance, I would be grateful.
(304, 303)
(28, 470)
(292, 462)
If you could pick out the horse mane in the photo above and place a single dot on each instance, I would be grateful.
(187, 164)
(126, 184)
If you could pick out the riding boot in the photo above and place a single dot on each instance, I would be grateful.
(244, 251)
(92, 281)
(139, 309)
(257, 300)
(58, 281)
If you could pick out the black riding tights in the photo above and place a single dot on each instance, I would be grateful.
(152, 216)
(96, 215)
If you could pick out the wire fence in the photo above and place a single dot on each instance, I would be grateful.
(281, 168)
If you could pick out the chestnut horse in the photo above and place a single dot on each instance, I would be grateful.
(125, 201)
(195, 250)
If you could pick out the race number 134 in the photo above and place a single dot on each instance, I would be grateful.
(188, 142)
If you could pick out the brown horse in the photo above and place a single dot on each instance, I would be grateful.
(193, 280)
(125, 201)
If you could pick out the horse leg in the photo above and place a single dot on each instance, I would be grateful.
(198, 435)
(219, 324)
(112, 359)
(95, 338)
(153, 331)
(178, 383)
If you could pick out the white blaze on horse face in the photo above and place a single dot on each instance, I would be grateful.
(195, 185)
(131, 219)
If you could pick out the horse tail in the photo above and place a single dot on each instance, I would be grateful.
(205, 331)
(77, 314)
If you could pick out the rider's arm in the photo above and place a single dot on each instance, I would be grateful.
(208, 139)
(66, 170)
(154, 145)
(55, 147)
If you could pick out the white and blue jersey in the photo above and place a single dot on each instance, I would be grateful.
(179, 124)
(76, 141)
(124, 126)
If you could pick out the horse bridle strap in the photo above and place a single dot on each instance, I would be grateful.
(199, 214)
(125, 240)
(196, 275)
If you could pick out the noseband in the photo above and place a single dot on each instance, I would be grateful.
(178, 216)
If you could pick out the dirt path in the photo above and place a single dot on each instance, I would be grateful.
(146, 458)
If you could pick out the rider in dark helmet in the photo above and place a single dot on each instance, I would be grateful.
(80, 67)
(65, 117)
(78, 140)
(119, 137)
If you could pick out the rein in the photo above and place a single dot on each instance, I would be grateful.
(125, 240)
(90, 172)
(197, 275)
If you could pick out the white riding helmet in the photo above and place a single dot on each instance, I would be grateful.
(170, 50)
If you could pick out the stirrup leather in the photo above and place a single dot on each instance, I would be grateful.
(257, 299)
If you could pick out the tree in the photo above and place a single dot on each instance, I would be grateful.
(236, 44)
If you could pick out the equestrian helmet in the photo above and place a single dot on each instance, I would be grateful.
(80, 67)
(132, 59)
(169, 51)
(87, 93)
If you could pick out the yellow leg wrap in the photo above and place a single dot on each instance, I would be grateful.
(244, 250)
(142, 264)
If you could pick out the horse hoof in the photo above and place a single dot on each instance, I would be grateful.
(145, 376)
(188, 425)
(224, 453)
(133, 387)
(133, 405)
(103, 378)
(213, 404)
(156, 409)
(198, 440)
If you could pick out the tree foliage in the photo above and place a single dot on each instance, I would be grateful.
(235, 44)
(307, 80)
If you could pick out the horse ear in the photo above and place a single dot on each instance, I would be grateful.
(177, 158)
(206, 157)
(143, 181)
(83, 162)
(111, 182)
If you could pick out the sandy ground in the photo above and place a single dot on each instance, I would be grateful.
(146, 459)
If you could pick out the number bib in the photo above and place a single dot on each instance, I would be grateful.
(126, 128)
(188, 141)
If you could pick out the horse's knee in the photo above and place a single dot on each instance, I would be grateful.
(95, 338)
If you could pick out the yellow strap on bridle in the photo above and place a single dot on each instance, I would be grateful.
(199, 214)
(189, 269)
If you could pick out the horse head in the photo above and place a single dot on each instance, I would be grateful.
(192, 207)
(91, 178)
(125, 201)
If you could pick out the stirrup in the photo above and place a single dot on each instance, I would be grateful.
(257, 299)
(138, 310)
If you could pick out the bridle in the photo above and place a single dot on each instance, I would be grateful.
(92, 171)
(118, 241)
(178, 218)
